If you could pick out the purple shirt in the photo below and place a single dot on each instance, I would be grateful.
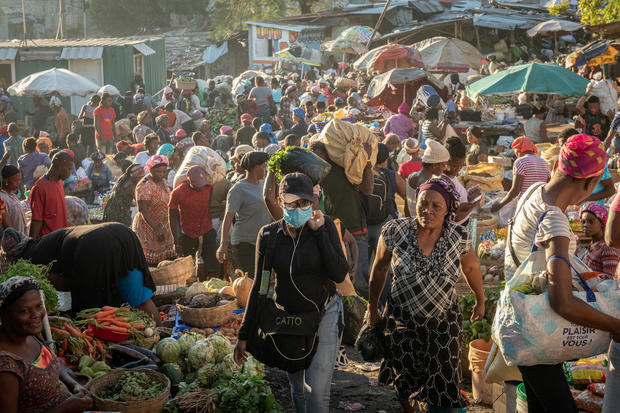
(399, 124)
(28, 163)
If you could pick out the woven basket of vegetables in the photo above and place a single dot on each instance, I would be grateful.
(207, 310)
(130, 391)
(173, 272)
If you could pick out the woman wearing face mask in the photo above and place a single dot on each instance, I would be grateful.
(308, 262)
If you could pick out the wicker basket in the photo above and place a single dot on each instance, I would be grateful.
(207, 317)
(185, 85)
(175, 273)
(154, 405)
(149, 342)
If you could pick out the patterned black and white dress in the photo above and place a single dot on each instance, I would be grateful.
(424, 322)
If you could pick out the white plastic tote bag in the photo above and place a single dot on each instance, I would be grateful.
(528, 332)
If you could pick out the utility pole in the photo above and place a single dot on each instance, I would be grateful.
(84, 8)
(59, 32)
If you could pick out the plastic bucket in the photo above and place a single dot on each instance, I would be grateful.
(499, 114)
(482, 391)
(428, 96)
(521, 399)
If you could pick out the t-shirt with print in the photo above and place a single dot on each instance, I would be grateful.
(555, 224)
(245, 200)
(596, 125)
(261, 96)
(106, 122)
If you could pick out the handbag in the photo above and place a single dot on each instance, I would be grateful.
(527, 330)
(278, 338)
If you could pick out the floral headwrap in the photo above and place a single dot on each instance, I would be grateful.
(598, 210)
(582, 156)
(154, 161)
(14, 283)
(446, 190)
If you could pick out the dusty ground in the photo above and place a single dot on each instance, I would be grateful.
(353, 385)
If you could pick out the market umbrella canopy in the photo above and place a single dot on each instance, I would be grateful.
(109, 89)
(395, 56)
(444, 54)
(554, 26)
(343, 46)
(365, 59)
(301, 54)
(357, 34)
(531, 78)
(54, 81)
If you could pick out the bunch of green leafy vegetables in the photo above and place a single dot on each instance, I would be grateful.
(482, 328)
(25, 268)
(246, 394)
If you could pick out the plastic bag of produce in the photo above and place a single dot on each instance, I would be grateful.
(584, 372)
(296, 159)
(213, 164)
(370, 342)
(529, 332)
(587, 401)
(354, 310)
(344, 142)
(77, 211)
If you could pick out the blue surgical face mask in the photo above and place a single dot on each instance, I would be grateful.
(297, 217)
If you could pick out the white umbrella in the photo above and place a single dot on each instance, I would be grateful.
(54, 81)
(444, 54)
(554, 26)
(109, 89)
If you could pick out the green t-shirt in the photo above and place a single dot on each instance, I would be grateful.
(342, 200)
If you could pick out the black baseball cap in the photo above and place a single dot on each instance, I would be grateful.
(296, 186)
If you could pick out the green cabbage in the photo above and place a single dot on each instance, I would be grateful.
(200, 354)
(100, 366)
(207, 375)
(168, 350)
(253, 367)
(221, 346)
(187, 340)
(227, 367)
(215, 284)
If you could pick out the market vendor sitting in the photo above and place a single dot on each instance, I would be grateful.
(99, 264)
(99, 173)
(599, 257)
(31, 377)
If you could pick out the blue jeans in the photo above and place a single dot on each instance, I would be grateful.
(612, 395)
(363, 273)
(310, 388)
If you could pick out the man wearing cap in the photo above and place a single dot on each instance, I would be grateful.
(412, 148)
(243, 136)
(47, 198)
(287, 104)
(434, 161)
(300, 127)
(189, 210)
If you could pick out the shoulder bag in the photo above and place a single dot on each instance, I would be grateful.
(278, 338)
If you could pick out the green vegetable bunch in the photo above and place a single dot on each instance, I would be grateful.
(226, 116)
(249, 395)
(482, 328)
(25, 268)
(132, 385)
(275, 162)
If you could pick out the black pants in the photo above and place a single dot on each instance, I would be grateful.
(211, 267)
(547, 390)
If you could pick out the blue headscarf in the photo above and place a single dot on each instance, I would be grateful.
(266, 127)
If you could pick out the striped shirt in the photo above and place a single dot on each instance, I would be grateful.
(554, 225)
(533, 169)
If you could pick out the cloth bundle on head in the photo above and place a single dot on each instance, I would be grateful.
(13, 242)
(582, 156)
(299, 112)
(404, 108)
(435, 152)
(154, 161)
(14, 284)
(271, 149)
(447, 192)
(524, 144)
(411, 145)
(242, 150)
(166, 150)
(598, 210)
(225, 129)
(97, 156)
(252, 159)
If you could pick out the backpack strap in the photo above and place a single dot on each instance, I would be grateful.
(269, 238)
(511, 249)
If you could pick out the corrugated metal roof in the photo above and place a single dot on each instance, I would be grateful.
(104, 41)
(144, 49)
(289, 27)
(508, 21)
(74, 53)
(8, 53)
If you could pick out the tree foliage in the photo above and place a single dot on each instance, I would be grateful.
(599, 11)
(226, 17)
(558, 9)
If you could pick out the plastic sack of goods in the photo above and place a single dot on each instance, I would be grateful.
(213, 164)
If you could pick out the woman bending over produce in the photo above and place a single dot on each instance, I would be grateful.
(100, 264)
(31, 378)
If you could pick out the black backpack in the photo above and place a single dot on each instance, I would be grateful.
(377, 204)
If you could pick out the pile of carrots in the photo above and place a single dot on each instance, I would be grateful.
(73, 344)
(114, 319)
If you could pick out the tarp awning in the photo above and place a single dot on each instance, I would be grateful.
(8, 53)
(213, 52)
(144, 49)
(84, 53)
